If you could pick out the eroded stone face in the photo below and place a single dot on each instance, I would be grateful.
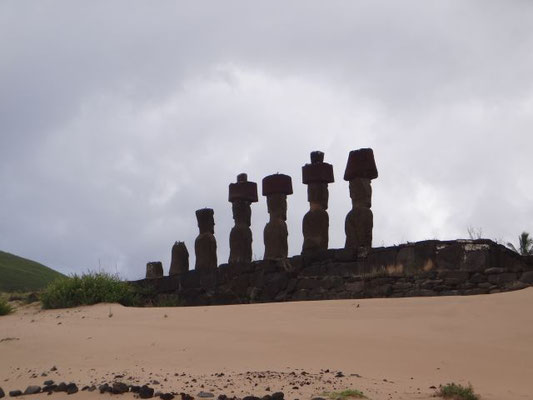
(205, 245)
(179, 263)
(276, 233)
(315, 230)
(360, 170)
(240, 240)
(154, 269)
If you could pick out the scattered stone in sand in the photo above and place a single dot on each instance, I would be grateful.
(135, 388)
(339, 375)
(205, 395)
(72, 388)
(120, 387)
(251, 398)
(166, 396)
(48, 382)
(278, 396)
(8, 339)
(62, 387)
(92, 388)
(32, 389)
(15, 393)
(49, 388)
(54, 368)
(2, 394)
(146, 392)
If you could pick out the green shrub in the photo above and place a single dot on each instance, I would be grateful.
(5, 307)
(87, 289)
(457, 392)
(345, 394)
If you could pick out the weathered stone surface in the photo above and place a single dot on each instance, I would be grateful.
(241, 194)
(154, 269)
(205, 245)
(527, 277)
(361, 164)
(32, 389)
(275, 232)
(179, 263)
(2, 394)
(146, 392)
(277, 184)
(358, 227)
(15, 393)
(315, 227)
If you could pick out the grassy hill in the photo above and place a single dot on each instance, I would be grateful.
(23, 275)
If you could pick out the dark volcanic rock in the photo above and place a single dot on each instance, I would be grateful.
(33, 389)
(48, 383)
(62, 387)
(146, 392)
(2, 394)
(105, 388)
(166, 396)
(15, 393)
(278, 396)
(119, 388)
(205, 395)
(72, 388)
(251, 398)
(135, 388)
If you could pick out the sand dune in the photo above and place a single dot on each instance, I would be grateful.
(388, 348)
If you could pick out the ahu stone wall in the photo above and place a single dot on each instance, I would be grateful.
(428, 268)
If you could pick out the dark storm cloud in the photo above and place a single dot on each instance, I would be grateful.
(119, 119)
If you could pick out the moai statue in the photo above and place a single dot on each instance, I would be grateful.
(360, 170)
(179, 263)
(205, 246)
(241, 194)
(276, 188)
(154, 269)
(315, 225)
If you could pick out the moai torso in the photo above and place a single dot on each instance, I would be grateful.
(241, 195)
(315, 224)
(360, 170)
(205, 245)
(179, 263)
(276, 188)
(154, 269)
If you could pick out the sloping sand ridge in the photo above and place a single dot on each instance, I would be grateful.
(387, 348)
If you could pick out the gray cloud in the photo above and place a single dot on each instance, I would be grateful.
(118, 120)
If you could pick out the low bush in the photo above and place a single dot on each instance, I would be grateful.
(454, 391)
(5, 307)
(87, 289)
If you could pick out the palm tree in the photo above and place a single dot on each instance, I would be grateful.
(525, 245)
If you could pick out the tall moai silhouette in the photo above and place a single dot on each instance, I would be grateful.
(241, 194)
(276, 188)
(205, 245)
(179, 263)
(315, 224)
(360, 170)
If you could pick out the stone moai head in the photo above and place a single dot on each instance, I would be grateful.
(154, 269)
(276, 188)
(206, 221)
(317, 176)
(179, 263)
(241, 195)
(360, 170)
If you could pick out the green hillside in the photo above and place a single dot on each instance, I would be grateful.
(22, 275)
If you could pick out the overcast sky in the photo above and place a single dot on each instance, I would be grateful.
(118, 119)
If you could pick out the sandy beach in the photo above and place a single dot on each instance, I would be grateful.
(387, 348)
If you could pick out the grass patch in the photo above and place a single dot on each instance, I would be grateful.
(5, 307)
(23, 275)
(87, 289)
(345, 394)
(454, 391)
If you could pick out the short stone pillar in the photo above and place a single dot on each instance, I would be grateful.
(241, 194)
(179, 263)
(315, 224)
(205, 245)
(276, 188)
(360, 170)
(154, 269)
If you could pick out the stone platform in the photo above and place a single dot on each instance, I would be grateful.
(428, 268)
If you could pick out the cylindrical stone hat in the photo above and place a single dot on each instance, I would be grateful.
(277, 184)
(243, 190)
(204, 213)
(361, 164)
(318, 171)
